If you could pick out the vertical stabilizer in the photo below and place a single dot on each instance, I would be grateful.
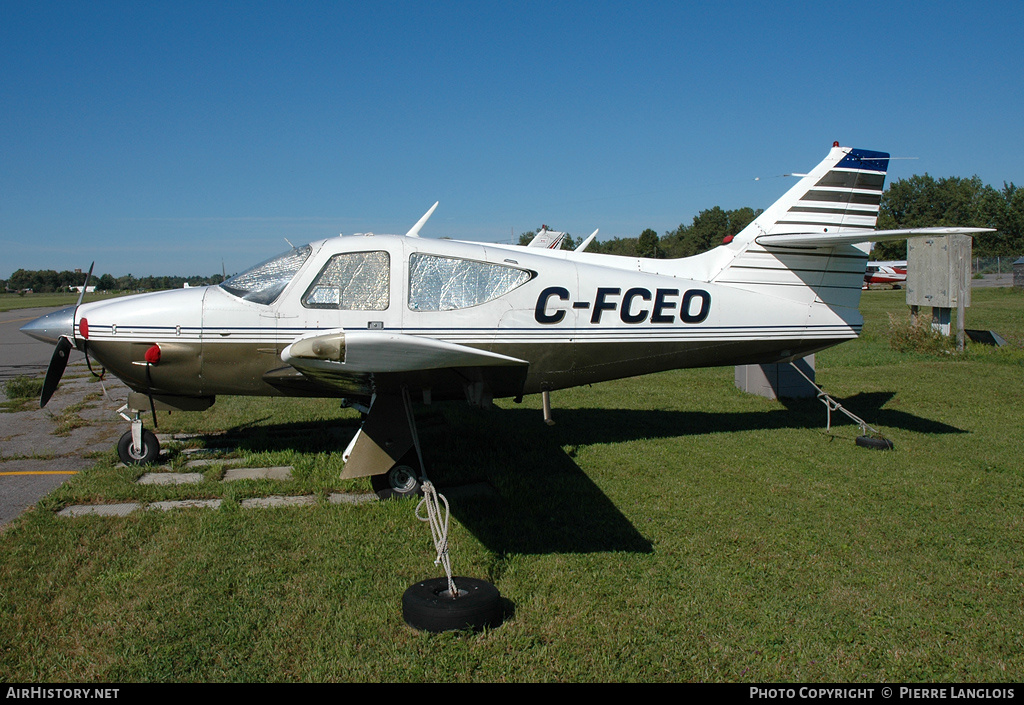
(841, 194)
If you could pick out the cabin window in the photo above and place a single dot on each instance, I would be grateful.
(352, 281)
(446, 283)
(263, 283)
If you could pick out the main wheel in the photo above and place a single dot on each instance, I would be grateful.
(398, 482)
(429, 606)
(148, 454)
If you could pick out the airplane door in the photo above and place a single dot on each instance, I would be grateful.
(354, 289)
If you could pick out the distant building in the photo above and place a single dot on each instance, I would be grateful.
(88, 289)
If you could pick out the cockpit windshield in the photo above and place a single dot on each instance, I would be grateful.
(263, 283)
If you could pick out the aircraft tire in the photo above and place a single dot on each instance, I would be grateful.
(875, 443)
(427, 605)
(149, 454)
(399, 482)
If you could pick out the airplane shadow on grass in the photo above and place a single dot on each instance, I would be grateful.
(585, 426)
(535, 498)
(545, 503)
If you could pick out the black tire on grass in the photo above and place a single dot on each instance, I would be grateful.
(875, 443)
(428, 605)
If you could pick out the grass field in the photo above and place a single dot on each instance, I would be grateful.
(10, 302)
(666, 528)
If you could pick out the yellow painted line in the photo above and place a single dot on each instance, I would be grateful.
(42, 472)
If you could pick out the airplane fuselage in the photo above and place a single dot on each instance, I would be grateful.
(568, 320)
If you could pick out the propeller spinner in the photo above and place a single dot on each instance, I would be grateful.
(58, 327)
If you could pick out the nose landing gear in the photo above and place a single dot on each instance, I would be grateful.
(144, 452)
(139, 446)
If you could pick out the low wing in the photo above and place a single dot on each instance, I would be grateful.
(361, 362)
(855, 237)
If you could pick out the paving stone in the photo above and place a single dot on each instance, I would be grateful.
(283, 472)
(208, 462)
(119, 510)
(265, 502)
(346, 498)
(185, 504)
(202, 434)
(206, 451)
(170, 478)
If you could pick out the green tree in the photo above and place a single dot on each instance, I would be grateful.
(923, 201)
(647, 244)
(709, 228)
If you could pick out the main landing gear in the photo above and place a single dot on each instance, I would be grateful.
(401, 481)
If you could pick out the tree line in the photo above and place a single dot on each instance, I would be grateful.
(48, 281)
(917, 202)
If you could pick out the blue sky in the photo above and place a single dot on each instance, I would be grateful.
(165, 138)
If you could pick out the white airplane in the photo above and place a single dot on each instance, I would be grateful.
(891, 272)
(380, 320)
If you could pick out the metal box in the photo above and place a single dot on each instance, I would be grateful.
(777, 381)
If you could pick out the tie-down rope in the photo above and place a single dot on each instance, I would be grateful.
(436, 517)
(832, 405)
(438, 521)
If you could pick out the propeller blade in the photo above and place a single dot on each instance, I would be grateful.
(81, 294)
(55, 371)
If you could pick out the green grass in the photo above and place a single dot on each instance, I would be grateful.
(20, 393)
(10, 302)
(666, 528)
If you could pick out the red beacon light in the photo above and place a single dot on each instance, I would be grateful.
(83, 328)
(153, 354)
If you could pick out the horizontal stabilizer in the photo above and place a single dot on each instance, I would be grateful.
(855, 237)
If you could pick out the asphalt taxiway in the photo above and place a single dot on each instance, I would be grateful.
(41, 448)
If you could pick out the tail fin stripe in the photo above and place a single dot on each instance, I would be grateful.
(833, 211)
(864, 199)
(853, 179)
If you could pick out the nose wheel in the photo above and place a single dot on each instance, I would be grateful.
(139, 446)
(146, 453)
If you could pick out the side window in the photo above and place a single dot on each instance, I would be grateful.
(353, 281)
(446, 283)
